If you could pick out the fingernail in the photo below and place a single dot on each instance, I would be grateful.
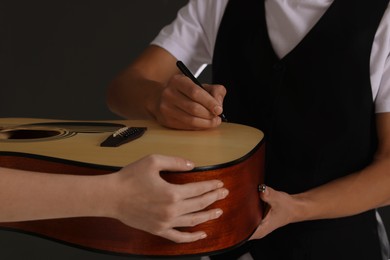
(224, 193)
(217, 110)
(220, 184)
(190, 164)
(203, 235)
(218, 213)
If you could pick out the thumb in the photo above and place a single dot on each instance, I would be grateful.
(169, 163)
(266, 193)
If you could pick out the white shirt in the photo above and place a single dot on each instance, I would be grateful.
(192, 35)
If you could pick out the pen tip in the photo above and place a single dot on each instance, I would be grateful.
(223, 117)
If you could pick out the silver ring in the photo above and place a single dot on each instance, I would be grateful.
(262, 188)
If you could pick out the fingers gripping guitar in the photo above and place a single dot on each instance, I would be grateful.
(167, 205)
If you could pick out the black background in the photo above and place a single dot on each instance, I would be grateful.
(57, 57)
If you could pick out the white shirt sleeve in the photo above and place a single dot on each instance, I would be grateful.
(380, 65)
(191, 36)
(382, 100)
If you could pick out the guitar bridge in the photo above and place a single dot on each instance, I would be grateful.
(123, 135)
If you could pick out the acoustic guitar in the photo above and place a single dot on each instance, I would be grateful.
(232, 153)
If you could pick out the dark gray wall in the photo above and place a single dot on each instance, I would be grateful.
(57, 57)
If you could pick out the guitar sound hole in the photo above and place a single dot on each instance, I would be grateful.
(21, 134)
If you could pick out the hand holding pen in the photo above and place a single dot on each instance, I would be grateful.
(188, 73)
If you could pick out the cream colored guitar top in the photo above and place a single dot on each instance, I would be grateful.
(80, 141)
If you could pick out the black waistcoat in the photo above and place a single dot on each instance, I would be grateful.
(315, 105)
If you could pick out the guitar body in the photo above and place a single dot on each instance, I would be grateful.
(232, 153)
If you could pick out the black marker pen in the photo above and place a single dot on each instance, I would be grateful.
(188, 73)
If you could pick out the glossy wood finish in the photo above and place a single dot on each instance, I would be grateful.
(241, 170)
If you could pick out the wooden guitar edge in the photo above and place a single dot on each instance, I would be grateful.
(242, 212)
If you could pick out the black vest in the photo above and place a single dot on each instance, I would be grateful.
(315, 105)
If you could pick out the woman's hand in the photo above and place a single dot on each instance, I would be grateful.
(145, 201)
